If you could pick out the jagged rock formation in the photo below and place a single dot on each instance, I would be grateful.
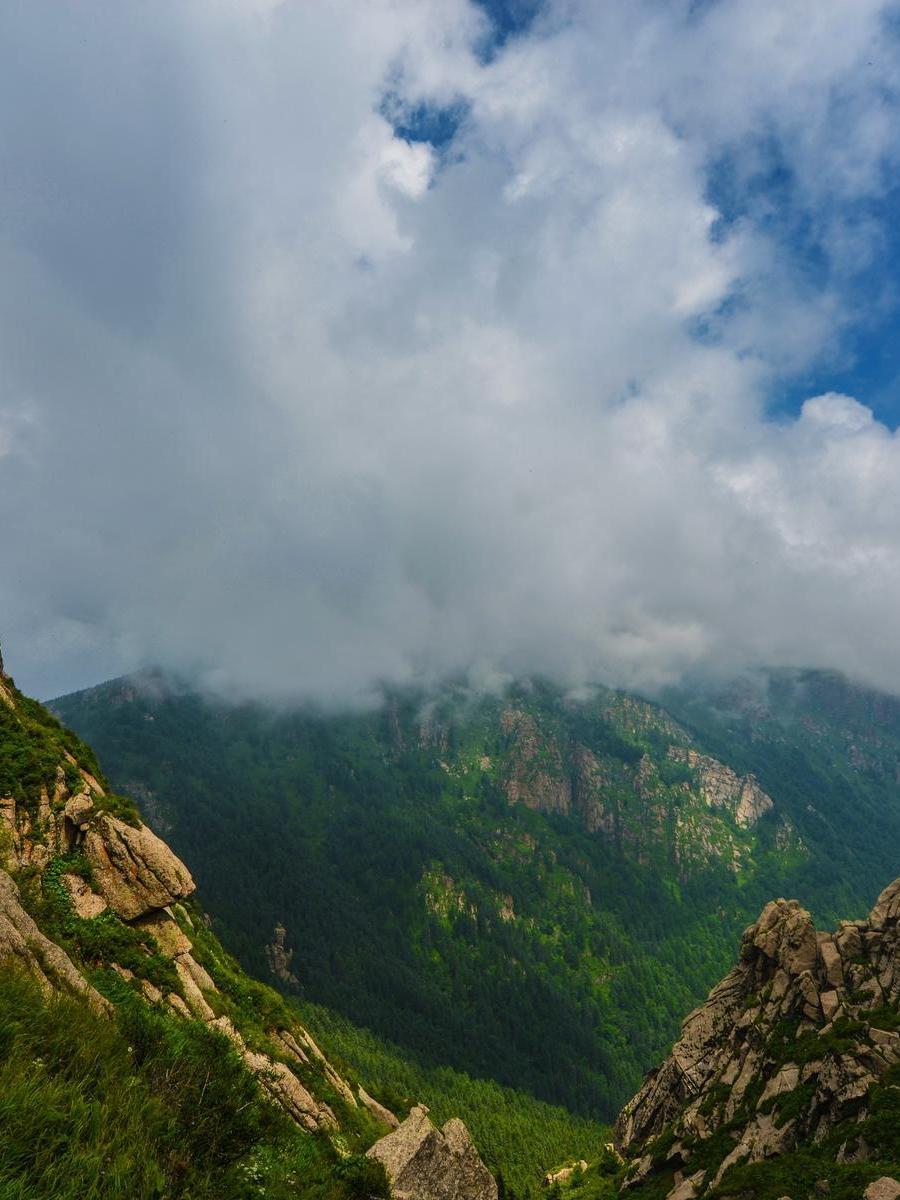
(722, 788)
(535, 775)
(426, 1163)
(563, 1174)
(378, 1111)
(784, 1053)
(279, 958)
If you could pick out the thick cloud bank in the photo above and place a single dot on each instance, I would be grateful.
(301, 405)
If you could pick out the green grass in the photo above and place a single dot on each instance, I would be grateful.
(145, 1107)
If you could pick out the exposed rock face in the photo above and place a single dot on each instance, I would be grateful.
(22, 941)
(722, 788)
(135, 871)
(799, 1011)
(426, 1163)
(535, 777)
(590, 787)
(883, 1189)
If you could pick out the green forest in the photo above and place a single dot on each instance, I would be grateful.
(448, 879)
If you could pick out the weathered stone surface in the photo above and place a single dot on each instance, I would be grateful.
(884, 1188)
(723, 788)
(194, 997)
(562, 1174)
(426, 1163)
(721, 1071)
(86, 902)
(279, 958)
(79, 809)
(287, 1091)
(22, 942)
(535, 777)
(135, 871)
(378, 1111)
(687, 1189)
(165, 931)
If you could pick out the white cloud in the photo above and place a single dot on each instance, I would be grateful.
(314, 407)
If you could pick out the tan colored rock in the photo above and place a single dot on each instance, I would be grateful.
(687, 1189)
(165, 931)
(785, 1081)
(378, 1111)
(887, 907)
(79, 809)
(788, 977)
(831, 963)
(135, 871)
(562, 1174)
(286, 1090)
(536, 776)
(287, 1043)
(86, 902)
(151, 991)
(830, 1002)
(721, 787)
(426, 1163)
(884, 1188)
(193, 996)
(279, 958)
(22, 942)
(178, 1005)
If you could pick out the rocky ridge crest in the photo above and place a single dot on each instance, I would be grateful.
(788, 1051)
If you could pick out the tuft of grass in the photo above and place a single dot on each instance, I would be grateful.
(146, 1107)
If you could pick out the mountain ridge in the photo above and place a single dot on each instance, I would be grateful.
(568, 871)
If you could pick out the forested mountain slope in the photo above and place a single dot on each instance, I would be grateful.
(532, 886)
(137, 1060)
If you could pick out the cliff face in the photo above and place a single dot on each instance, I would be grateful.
(797, 1048)
(93, 902)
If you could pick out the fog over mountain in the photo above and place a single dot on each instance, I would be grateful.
(358, 341)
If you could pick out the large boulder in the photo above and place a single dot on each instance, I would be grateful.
(426, 1163)
(133, 869)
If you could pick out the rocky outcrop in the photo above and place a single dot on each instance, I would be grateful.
(535, 774)
(721, 787)
(785, 1048)
(279, 958)
(134, 871)
(21, 941)
(423, 1162)
(591, 794)
(563, 1174)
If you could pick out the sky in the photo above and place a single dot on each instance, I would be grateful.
(368, 341)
